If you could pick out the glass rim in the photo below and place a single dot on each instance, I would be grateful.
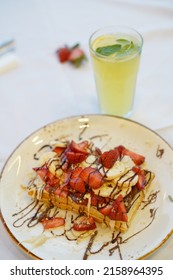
(117, 28)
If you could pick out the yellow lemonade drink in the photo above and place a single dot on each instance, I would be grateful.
(115, 56)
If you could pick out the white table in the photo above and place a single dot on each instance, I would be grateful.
(41, 90)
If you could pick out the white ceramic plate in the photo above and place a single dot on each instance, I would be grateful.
(151, 226)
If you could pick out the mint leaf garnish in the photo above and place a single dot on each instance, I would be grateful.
(122, 48)
(127, 47)
(108, 50)
(170, 198)
(123, 41)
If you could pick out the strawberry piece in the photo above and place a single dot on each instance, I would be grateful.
(77, 184)
(63, 54)
(95, 180)
(83, 223)
(76, 56)
(106, 210)
(97, 200)
(118, 211)
(42, 171)
(46, 175)
(141, 177)
(136, 169)
(120, 148)
(108, 158)
(141, 180)
(79, 147)
(60, 192)
(59, 150)
(92, 177)
(52, 222)
(75, 158)
(94, 199)
(76, 172)
(137, 158)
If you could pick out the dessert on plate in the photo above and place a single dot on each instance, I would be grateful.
(105, 187)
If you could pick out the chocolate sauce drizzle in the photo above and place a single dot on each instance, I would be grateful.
(150, 200)
(34, 212)
(159, 152)
(117, 239)
(36, 156)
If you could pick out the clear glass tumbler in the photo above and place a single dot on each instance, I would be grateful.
(115, 53)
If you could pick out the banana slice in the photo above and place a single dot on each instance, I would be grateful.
(58, 144)
(53, 163)
(127, 180)
(117, 170)
(111, 190)
(90, 161)
(128, 162)
(55, 167)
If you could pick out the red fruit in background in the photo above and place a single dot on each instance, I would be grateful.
(63, 54)
(77, 56)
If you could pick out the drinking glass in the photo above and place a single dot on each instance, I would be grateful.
(115, 53)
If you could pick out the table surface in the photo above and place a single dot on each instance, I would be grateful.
(41, 90)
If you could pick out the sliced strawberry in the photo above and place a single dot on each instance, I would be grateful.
(52, 222)
(92, 177)
(83, 223)
(119, 148)
(137, 158)
(52, 180)
(95, 180)
(77, 184)
(59, 150)
(79, 147)
(106, 210)
(97, 200)
(46, 175)
(77, 56)
(94, 199)
(136, 169)
(60, 192)
(118, 211)
(141, 177)
(141, 180)
(42, 171)
(76, 172)
(63, 54)
(75, 158)
(108, 158)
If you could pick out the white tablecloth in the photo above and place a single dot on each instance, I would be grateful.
(41, 90)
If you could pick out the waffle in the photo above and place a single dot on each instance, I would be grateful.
(62, 180)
